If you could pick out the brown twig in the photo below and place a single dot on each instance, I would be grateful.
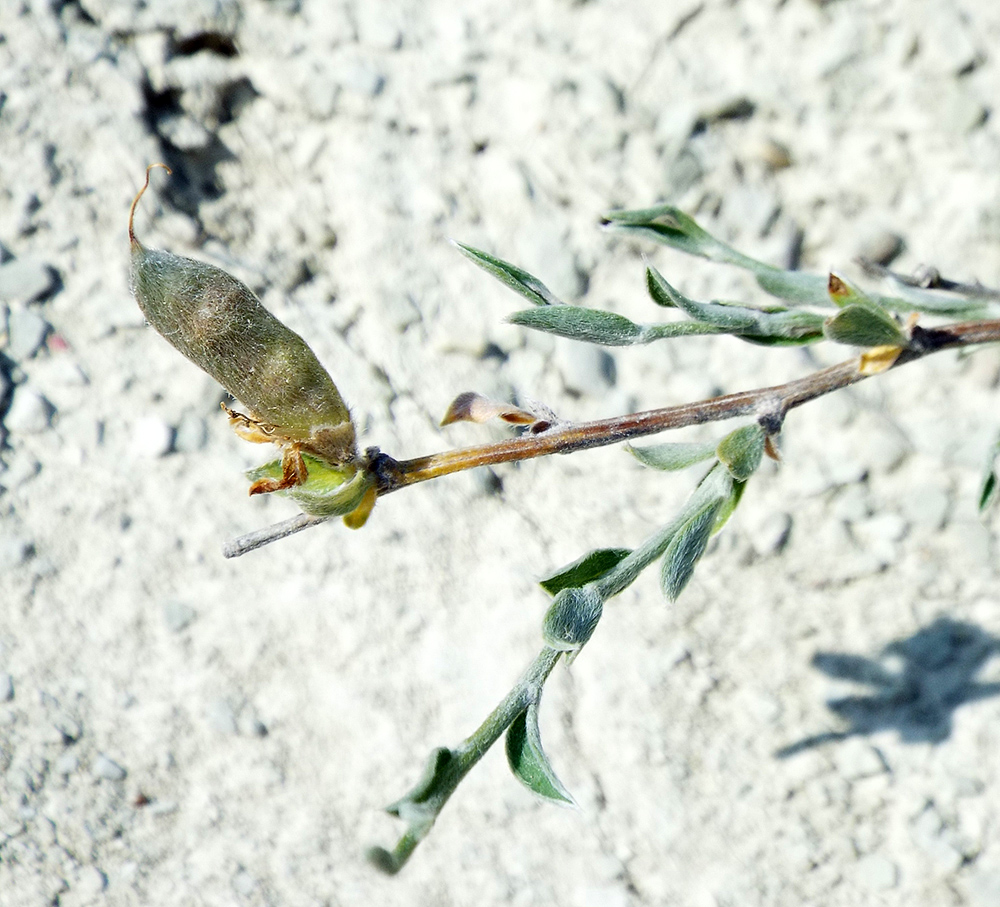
(767, 405)
(929, 279)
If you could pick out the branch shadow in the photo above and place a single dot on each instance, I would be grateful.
(917, 685)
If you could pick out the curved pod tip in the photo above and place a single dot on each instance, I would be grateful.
(135, 201)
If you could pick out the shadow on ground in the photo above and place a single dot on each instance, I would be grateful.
(917, 684)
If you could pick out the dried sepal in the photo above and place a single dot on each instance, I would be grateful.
(326, 490)
(473, 407)
(878, 359)
(841, 291)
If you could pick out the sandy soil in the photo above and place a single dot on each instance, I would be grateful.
(268, 707)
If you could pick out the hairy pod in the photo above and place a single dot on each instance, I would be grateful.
(221, 326)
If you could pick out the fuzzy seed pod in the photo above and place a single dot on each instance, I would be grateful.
(220, 325)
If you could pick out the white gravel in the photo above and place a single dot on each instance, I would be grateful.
(325, 153)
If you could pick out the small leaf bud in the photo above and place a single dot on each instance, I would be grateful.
(572, 618)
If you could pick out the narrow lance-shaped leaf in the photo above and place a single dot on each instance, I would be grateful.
(729, 505)
(584, 570)
(519, 280)
(741, 451)
(686, 548)
(796, 287)
(777, 325)
(990, 486)
(656, 290)
(673, 456)
(528, 762)
(578, 323)
(672, 227)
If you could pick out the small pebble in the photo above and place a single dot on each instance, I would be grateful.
(29, 412)
(108, 769)
(775, 154)
(26, 331)
(6, 688)
(927, 507)
(876, 873)
(244, 883)
(586, 370)
(983, 885)
(69, 728)
(192, 434)
(221, 717)
(250, 725)
(152, 437)
(21, 469)
(25, 280)
(178, 615)
(15, 551)
(882, 248)
(486, 481)
(88, 884)
(67, 763)
(163, 807)
(770, 536)
(363, 78)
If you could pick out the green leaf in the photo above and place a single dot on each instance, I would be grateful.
(528, 762)
(793, 286)
(990, 487)
(520, 281)
(741, 451)
(651, 332)
(672, 227)
(773, 326)
(730, 318)
(673, 456)
(578, 323)
(434, 781)
(988, 492)
(686, 548)
(729, 505)
(572, 618)
(585, 569)
(656, 290)
(843, 293)
(865, 326)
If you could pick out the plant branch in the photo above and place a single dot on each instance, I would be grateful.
(929, 279)
(446, 768)
(768, 405)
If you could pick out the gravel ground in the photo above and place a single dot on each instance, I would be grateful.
(816, 720)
